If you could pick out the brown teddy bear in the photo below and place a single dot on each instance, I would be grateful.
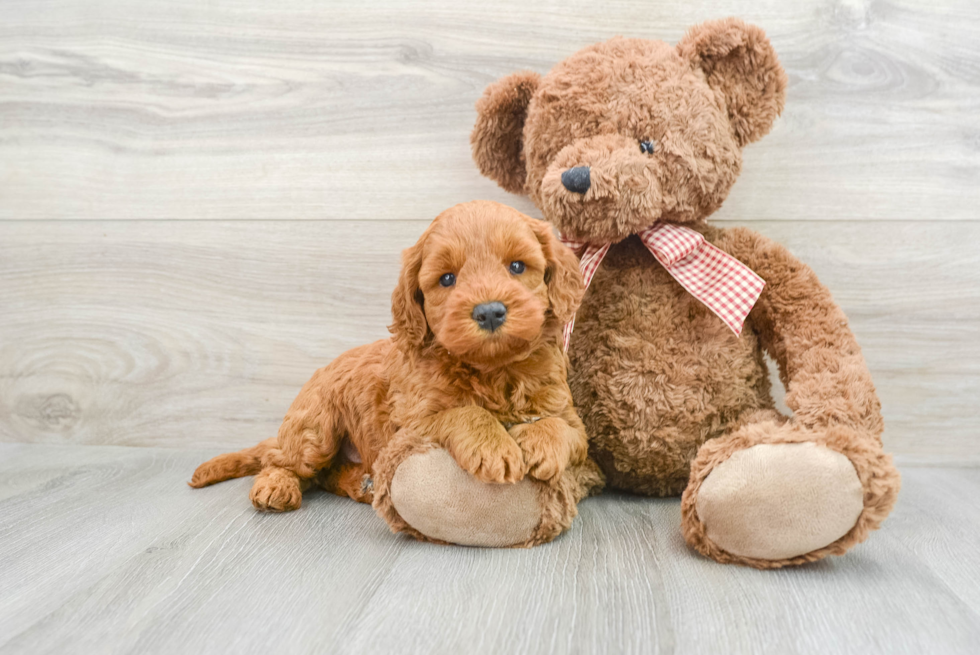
(630, 143)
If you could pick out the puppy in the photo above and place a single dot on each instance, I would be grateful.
(475, 366)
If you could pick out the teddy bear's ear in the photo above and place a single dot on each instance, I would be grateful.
(498, 136)
(738, 60)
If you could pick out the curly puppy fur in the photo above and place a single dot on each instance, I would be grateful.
(443, 381)
(666, 391)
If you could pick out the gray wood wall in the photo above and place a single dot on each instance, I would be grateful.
(201, 203)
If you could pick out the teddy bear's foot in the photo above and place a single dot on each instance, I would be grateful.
(443, 502)
(779, 501)
(420, 490)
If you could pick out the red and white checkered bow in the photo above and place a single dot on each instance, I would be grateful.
(725, 285)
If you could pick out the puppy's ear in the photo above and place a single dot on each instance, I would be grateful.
(563, 277)
(738, 60)
(498, 136)
(409, 326)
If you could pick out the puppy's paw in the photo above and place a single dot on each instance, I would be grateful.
(546, 448)
(494, 457)
(276, 490)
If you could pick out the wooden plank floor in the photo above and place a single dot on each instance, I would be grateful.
(104, 549)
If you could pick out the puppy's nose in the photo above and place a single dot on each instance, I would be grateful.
(576, 179)
(490, 315)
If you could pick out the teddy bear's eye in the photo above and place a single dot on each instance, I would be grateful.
(447, 280)
(646, 147)
(517, 267)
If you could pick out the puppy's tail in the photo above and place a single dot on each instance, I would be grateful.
(232, 465)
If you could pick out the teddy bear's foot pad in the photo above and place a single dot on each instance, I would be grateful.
(442, 501)
(778, 501)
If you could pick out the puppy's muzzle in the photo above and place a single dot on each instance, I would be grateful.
(490, 315)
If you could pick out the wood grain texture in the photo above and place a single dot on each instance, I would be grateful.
(157, 333)
(330, 109)
(106, 550)
(185, 333)
(138, 333)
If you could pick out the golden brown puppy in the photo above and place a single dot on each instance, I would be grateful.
(475, 366)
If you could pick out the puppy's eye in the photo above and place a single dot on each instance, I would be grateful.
(517, 268)
(646, 147)
(447, 280)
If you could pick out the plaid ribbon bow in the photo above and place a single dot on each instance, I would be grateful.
(723, 284)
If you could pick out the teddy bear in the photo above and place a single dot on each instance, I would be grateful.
(627, 147)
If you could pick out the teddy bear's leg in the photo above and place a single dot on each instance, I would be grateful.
(419, 489)
(772, 494)
(778, 491)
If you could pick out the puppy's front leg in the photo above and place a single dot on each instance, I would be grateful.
(479, 443)
(550, 445)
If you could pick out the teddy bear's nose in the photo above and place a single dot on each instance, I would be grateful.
(576, 179)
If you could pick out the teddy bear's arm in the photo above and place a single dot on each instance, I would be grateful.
(820, 482)
(807, 334)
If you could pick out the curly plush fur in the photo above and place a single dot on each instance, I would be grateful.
(666, 391)
(444, 382)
